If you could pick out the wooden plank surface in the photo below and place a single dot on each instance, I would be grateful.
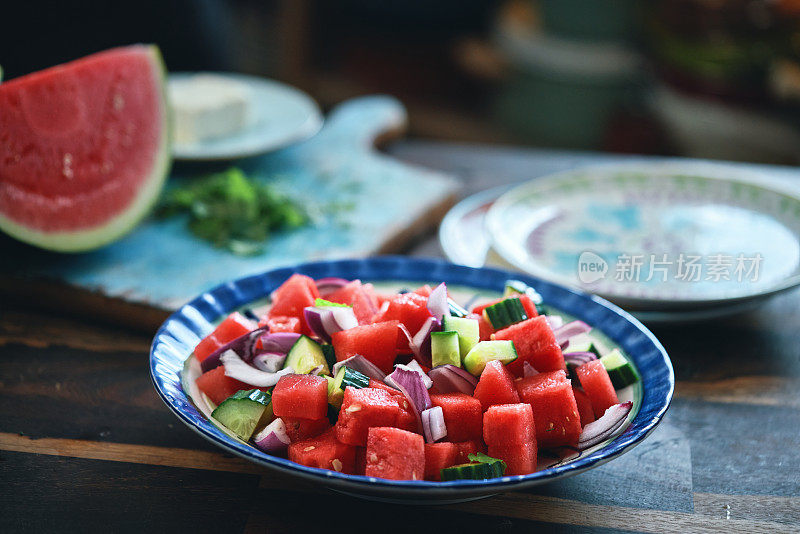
(86, 444)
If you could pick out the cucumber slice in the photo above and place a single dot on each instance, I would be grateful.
(505, 313)
(353, 378)
(455, 309)
(621, 371)
(243, 411)
(486, 351)
(445, 349)
(344, 377)
(305, 356)
(329, 353)
(335, 393)
(585, 346)
(516, 287)
(322, 303)
(468, 332)
(475, 471)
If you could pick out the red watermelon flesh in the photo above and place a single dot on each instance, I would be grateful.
(361, 297)
(218, 386)
(324, 452)
(376, 342)
(299, 429)
(395, 454)
(465, 448)
(463, 416)
(411, 309)
(438, 456)
(535, 344)
(584, 406)
(295, 294)
(520, 459)
(363, 409)
(510, 433)
(84, 149)
(555, 412)
(496, 386)
(304, 396)
(597, 385)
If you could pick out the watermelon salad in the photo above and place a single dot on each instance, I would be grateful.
(410, 386)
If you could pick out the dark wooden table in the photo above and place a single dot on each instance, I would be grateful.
(86, 445)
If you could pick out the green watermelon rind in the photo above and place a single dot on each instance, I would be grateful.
(123, 222)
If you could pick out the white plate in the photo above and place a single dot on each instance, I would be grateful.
(279, 115)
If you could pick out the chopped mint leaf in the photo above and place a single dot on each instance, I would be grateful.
(233, 211)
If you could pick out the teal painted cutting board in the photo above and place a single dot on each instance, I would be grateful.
(382, 204)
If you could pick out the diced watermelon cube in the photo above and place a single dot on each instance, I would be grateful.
(463, 416)
(299, 429)
(410, 309)
(509, 431)
(438, 456)
(235, 325)
(406, 418)
(424, 290)
(303, 396)
(597, 385)
(217, 386)
(280, 323)
(555, 413)
(324, 452)
(395, 454)
(509, 424)
(363, 409)
(496, 386)
(465, 448)
(361, 297)
(295, 294)
(520, 459)
(376, 342)
(535, 344)
(361, 460)
(584, 406)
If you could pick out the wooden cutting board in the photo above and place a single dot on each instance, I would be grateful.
(382, 204)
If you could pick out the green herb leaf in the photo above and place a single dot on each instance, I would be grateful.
(233, 211)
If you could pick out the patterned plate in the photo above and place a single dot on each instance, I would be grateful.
(278, 116)
(652, 236)
(177, 337)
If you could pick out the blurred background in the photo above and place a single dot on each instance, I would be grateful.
(704, 78)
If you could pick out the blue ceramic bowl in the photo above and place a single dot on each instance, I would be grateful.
(178, 336)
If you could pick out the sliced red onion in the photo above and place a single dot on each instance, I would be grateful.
(414, 365)
(437, 302)
(326, 286)
(279, 342)
(325, 320)
(528, 370)
(433, 427)
(571, 329)
(605, 427)
(243, 345)
(269, 362)
(362, 365)
(273, 438)
(451, 379)
(555, 321)
(579, 358)
(421, 342)
(236, 368)
(316, 371)
(412, 386)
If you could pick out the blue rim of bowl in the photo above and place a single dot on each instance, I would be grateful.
(177, 337)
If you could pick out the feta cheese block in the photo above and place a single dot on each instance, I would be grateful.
(207, 106)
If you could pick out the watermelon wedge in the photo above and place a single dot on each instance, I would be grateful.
(84, 149)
